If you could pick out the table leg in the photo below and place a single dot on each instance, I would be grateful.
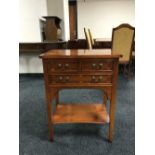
(112, 119)
(50, 124)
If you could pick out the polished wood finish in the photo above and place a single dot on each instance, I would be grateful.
(75, 69)
(74, 53)
(80, 113)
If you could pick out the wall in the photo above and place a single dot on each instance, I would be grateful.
(30, 63)
(102, 15)
(29, 13)
(66, 20)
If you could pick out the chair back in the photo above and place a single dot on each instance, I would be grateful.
(91, 37)
(89, 45)
(122, 41)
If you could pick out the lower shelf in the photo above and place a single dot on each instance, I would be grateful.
(80, 113)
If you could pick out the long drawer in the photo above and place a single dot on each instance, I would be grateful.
(61, 78)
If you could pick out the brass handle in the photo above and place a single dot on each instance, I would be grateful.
(66, 65)
(101, 78)
(60, 78)
(93, 78)
(101, 65)
(59, 65)
(94, 65)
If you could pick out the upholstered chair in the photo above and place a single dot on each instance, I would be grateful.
(122, 43)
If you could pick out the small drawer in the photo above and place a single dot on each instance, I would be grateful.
(97, 78)
(63, 66)
(98, 65)
(64, 79)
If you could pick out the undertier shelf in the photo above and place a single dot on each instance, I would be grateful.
(80, 113)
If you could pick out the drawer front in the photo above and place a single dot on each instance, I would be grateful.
(97, 78)
(64, 79)
(63, 66)
(98, 65)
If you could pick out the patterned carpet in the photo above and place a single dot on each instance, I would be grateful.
(74, 139)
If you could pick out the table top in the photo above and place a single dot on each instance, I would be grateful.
(78, 53)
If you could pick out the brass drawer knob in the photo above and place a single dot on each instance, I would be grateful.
(101, 78)
(101, 65)
(60, 78)
(59, 65)
(93, 78)
(66, 65)
(94, 65)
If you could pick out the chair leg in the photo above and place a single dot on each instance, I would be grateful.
(124, 70)
(127, 70)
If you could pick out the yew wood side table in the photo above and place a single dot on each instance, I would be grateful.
(64, 69)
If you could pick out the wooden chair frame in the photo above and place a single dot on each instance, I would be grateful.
(88, 40)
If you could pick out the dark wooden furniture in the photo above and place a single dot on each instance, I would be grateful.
(52, 28)
(80, 69)
(40, 47)
(77, 44)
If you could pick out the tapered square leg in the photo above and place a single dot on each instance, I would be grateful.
(51, 134)
(50, 125)
(110, 134)
(112, 119)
